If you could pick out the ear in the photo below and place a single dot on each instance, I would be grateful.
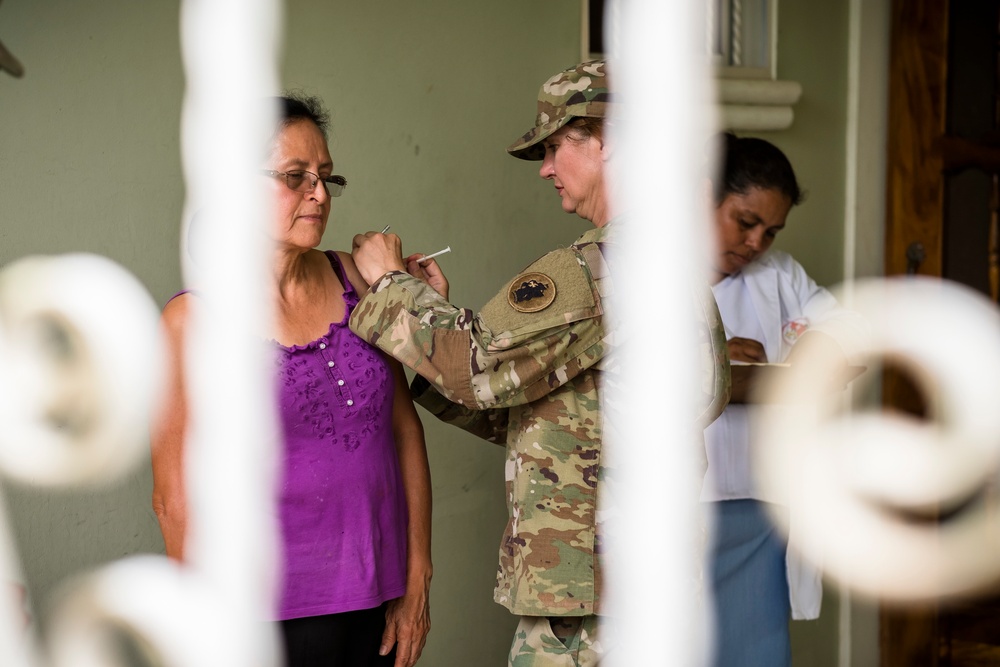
(607, 147)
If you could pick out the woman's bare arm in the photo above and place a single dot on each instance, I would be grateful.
(167, 434)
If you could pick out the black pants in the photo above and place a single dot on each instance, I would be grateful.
(350, 639)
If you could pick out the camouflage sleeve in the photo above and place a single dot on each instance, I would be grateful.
(490, 425)
(515, 351)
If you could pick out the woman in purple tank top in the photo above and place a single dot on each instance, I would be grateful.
(354, 496)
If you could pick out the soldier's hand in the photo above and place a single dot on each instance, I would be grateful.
(430, 272)
(377, 254)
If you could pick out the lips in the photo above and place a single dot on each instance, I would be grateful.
(741, 260)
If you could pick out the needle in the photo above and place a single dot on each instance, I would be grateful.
(433, 254)
(386, 229)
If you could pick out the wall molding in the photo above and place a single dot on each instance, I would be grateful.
(756, 104)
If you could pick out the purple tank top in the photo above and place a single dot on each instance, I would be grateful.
(342, 504)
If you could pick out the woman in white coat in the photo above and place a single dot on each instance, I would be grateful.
(771, 308)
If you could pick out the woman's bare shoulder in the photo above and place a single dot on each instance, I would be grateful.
(175, 313)
(351, 271)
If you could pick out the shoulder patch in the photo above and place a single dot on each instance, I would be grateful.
(570, 298)
(531, 292)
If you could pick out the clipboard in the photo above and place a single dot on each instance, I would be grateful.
(747, 377)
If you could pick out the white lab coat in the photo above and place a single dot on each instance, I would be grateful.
(787, 302)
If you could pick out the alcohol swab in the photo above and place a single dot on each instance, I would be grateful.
(433, 254)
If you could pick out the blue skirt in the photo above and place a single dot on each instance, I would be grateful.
(749, 587)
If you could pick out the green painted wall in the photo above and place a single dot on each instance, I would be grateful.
(812, 49)
(90, 163)
(424, 98)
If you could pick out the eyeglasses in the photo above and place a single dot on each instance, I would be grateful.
(305, 181)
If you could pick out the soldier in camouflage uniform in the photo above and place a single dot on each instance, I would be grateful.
(528, 371)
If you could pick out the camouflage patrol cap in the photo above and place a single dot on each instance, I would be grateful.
(579, 91)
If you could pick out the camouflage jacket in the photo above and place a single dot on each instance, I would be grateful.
(528, 371)
(525, 371)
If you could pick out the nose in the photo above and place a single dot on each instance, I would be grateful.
(547, 170)
(754, 240)
(319, 192)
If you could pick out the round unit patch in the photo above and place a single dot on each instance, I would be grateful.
(531, 292)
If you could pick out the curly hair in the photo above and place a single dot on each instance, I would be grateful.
(295, 106)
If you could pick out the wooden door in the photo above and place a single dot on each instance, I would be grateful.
(941, 207)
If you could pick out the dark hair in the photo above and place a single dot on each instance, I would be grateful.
(747, 162)
(294, 106)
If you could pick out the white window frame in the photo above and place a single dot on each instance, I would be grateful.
(734, 27)
(749, 97)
